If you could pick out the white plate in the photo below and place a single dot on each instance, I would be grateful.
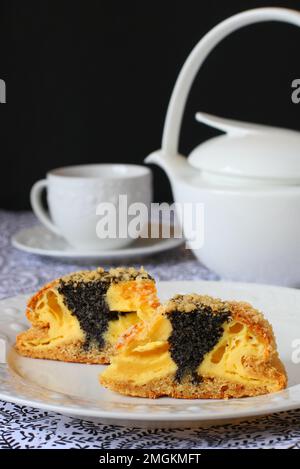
(39, 240)
(73, 389)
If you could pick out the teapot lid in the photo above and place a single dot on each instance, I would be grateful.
(249, 151)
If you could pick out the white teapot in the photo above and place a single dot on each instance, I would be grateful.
(248, 179)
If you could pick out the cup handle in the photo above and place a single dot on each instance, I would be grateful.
(37, 206)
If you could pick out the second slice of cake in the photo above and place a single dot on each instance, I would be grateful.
(80, 316)
(198, 347)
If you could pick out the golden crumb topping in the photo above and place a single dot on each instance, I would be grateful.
(191, 302)
(129, 273)
(85, 276)
(117, 274)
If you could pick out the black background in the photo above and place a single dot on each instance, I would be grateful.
(90, 81)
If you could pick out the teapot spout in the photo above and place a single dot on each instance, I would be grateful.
(158, 158)
(173, 166)
(154, 158)
(161, 160)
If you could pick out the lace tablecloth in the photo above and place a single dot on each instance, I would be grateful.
(24, 427)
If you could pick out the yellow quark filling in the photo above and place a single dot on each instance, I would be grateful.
(226, 358)
(146, 357)
(133, 295)
(60, 325)
(136, 296)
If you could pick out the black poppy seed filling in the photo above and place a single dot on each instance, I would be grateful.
(193, 335)
(86, 300)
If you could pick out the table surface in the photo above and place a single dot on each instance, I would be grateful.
(24, 427)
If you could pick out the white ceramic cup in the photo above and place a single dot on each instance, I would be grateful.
(75, 192)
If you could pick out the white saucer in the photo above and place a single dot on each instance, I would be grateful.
(74, 389)
(39, 240)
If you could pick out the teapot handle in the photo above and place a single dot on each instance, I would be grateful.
(196, 58)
